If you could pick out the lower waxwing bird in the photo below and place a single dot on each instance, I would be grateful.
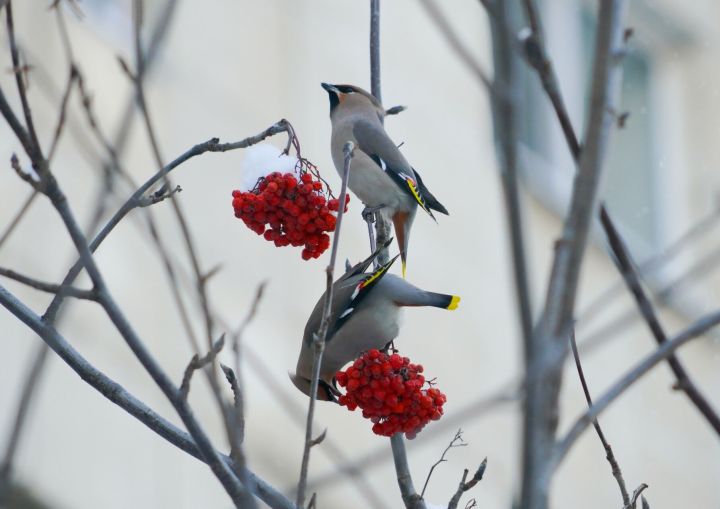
(364, 314)
(379, 174)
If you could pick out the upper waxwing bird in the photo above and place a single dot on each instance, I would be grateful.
(364, 314)
(379, 174)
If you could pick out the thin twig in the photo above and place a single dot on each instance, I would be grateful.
(629, 272)
(636, 494)
(15, 221)
(653, 264)
(18, 72)
(134, 200)
(33, 376)
(34, 372)
(198, 363)
(121, 397)
(698, 328)
(614, 466)
(235, 490)
(473, 410)
(63, 111)
(43, 286)
(237, 348)
(457, 441)
(466, 486)
(318, 343)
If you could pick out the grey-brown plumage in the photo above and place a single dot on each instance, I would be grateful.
(379, 174)
(365, 313)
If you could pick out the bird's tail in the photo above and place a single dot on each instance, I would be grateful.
(402, 232)
(440, 300)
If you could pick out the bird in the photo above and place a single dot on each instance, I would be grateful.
(364, 314)
(379, 174)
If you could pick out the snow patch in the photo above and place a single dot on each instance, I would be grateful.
(263, 159)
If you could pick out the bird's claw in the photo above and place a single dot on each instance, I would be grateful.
(368, 213)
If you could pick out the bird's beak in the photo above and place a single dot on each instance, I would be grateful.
(325, 392)
(330, 88)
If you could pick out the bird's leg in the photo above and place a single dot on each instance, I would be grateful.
(390, 347)
(368, 213)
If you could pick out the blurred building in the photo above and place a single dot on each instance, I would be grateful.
(230, 69)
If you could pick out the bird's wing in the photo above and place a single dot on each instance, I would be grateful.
(375, 142)
(430, 200)
(351, 293)
(362, 266)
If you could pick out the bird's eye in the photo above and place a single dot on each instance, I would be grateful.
(346, 90)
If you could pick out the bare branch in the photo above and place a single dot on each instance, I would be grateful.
(632, 504)
(375, 80)
(33, 376)
(26, 176)
(457, 441)
(473, 410)
(198, 363)
(18, 216)
(238, 399)
(63, 111)
(506, 139)
(614, 466)
(160, 195)
(395, 110)
(118, 395)
(550, 337)
(698, 328)
(70, 291)
(536, 55)
(410, 497)
(319, 338)
(466, 486)
(21, 86)
(651, 265)
(629, 272)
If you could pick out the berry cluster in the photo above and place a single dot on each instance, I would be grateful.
(290, 211)
(388, 389)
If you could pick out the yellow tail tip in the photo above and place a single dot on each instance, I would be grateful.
(403, 269)
(454, 303)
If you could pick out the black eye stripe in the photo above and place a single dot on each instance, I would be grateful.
(345, 89)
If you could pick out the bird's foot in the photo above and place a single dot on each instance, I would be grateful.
(368, 213)
(390, 348)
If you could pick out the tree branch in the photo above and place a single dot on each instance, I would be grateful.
(663, 352)
(627, 269)
(465, 486)
(70, 291)
(121, 397)
(614, 466)
(198, 363)
(457, 441)
(550, 338)
(506, 140)
(318, 343)
(410, 497)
